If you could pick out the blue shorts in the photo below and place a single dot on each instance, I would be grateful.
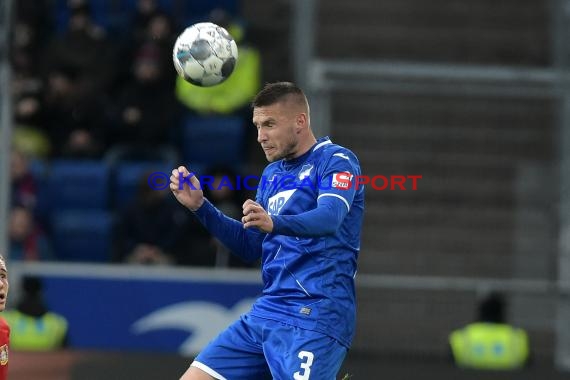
(254, 348)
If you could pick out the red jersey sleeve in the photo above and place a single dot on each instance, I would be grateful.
(4, 344)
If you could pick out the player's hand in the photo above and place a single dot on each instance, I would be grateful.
(255, 216)
(190, 196)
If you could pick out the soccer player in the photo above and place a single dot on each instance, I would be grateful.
(4, 328)
(305, 226)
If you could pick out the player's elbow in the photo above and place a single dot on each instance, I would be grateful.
(330, 229)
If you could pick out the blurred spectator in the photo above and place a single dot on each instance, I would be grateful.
(228, 196)
(33, 326)
(73, 121)
(27, 241)
(490, 343)
(29, 33)
(30, 135)
(35, 14)
(153, 231)
(145, 112)
(161, 33)
(234, 94)
(31, 28)
(25, 50)
(23, 185)
(84, 48)
(145, 10)
(156, 31)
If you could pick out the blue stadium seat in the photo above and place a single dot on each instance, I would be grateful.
(211, 141)
(199, 10)
(78, 185)
(82, 235)
(128, 174)
(39, 170)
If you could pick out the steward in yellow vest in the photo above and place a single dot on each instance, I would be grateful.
(33, 327)
(44, 333)
(490, 343)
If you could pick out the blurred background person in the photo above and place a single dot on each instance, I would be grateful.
(145, 114)
(490, 343)
(85, 48)
(24, 189)
(151, 230)
(146, 229)
(73, 120)
(33, 326)
(27, 240)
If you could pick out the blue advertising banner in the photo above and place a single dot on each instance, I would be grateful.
(146, 309)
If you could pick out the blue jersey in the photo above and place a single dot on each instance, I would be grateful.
(309, 259)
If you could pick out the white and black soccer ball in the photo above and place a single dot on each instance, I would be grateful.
(205, 54)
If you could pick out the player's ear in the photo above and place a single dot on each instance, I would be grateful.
(301, 121)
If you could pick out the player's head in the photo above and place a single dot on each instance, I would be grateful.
(281, 115)
(3, 283)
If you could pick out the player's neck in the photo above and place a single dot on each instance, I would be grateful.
(305, 145)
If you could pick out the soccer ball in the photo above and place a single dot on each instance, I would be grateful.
(205, 54)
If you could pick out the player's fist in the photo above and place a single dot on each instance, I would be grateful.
(186, 188)
(255, 216)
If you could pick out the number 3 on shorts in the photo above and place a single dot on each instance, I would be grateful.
(307, 358)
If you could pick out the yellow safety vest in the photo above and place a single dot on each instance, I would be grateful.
(489, 346)
(35, 334)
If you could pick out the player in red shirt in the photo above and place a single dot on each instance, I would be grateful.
(4, 328)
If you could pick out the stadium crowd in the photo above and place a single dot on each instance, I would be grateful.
(97, 107)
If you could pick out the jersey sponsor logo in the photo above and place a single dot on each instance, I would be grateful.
(4, 354)
(202, 320)
(342, 180)
(276, 202)
(305, 171)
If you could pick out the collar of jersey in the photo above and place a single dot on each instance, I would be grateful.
(289, 164)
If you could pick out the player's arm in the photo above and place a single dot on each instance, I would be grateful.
(323, 220)
(187, 190)
(244, 243)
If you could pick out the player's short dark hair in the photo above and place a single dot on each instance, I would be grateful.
(278, 91)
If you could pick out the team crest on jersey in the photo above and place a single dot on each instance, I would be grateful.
(342, 180)
(276, 202)
(305, 171)
(4, 354)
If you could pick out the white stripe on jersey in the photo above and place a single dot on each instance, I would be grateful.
(208, 370)
(321, 144)
(302, 287)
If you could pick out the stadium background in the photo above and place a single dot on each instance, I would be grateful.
(472, 95)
